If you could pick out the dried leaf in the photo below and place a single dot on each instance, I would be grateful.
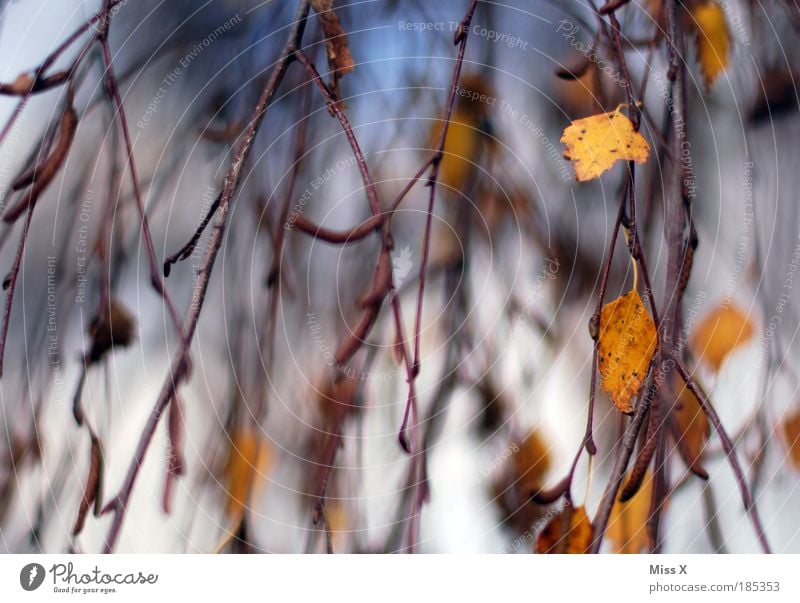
(339, 58)
(94, 486)
(719, 333)
(626, 345)
(523, 467)
(627, 524)
(23, 84)
(176, 465)
(790, 429)
(569, 532)
(41, 177)
(692, 426)
(531, 461)
(713, 39)
(114, 327)
(595, 143)
(176, 430)
(248, 460)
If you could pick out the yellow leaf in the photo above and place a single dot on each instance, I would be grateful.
(248, 459)
(569, 532)
(468, 133)
(595, 143)
(626, 345)
(460, 150)
(627, 524)
(338, 521)
(790, 428)
(692, 424)
(719, 333)
(713, 39)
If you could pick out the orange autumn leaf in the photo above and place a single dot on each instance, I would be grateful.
(790, 429)
(569, 532)
(248, 459)
(531, 462)
(692, 425)
(625, 347)
(594, 144)
(719, 333)
(713, 39)
(627, 524)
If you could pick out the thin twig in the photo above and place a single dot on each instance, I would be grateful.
(178, 370)
(730, 451)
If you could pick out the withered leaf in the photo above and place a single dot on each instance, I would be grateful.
(113, 327)
(569, 532)
(531, 462)
(40, 177)
(94, 486)
(339, 57)
(691, 425)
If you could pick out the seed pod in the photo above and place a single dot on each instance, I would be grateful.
(44, 173)
(94, 486)
(22, 86)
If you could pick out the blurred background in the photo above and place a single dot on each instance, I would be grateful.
(515, 261)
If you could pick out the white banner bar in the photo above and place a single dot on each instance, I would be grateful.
(395, 578)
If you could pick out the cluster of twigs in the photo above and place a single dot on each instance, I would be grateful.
(647, 427)
(36, 180)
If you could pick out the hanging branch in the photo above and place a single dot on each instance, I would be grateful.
(626, 216)
(180, 364)
(381, 285)
(629, 438)
(730, 452)
(111, 88)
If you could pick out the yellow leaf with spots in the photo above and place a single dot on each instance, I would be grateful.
(719, 333)
(595, 143)
(626, 345)
(569, 532)
(248, 460)
(627, 524)
(713, 39)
